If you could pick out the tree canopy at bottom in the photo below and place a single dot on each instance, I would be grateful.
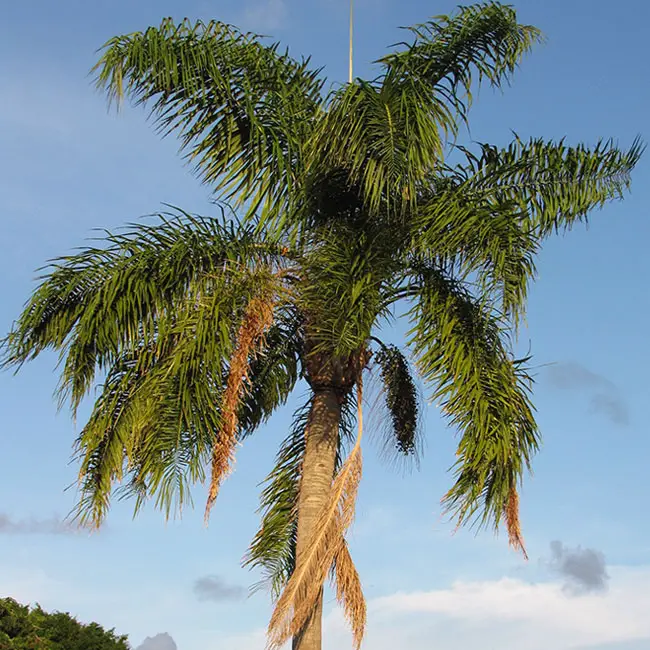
(30, 628)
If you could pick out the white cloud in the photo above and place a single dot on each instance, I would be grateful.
(512, 614)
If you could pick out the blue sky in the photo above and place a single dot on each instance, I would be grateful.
(67, 165)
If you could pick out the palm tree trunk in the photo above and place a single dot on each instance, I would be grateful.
(317, 474)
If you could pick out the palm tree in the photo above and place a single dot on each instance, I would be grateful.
(349, 214)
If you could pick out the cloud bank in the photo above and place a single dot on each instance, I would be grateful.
(512, 614)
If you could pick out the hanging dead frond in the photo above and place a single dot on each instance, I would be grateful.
(258, 317)
(297, 601)
(349, 593)
(513, 524)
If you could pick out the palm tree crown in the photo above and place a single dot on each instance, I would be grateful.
(350, 212)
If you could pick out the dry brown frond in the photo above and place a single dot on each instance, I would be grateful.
(513, 524)
(349, 593)
(258, 317)
(296, 602)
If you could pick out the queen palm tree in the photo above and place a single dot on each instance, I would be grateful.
(349, 213)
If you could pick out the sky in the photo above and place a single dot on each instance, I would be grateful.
(68, 166)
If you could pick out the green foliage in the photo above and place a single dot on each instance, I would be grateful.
(483, 39)
(156, 311)
(462, 349)
(348, 206)
(25, 628)
(551, 185)
(390, 133)
(348, 271)
(274, 545)
(241, 109)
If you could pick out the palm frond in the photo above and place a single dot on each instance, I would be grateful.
(301, 591)
(242, 109)
(384, 139)
(151, 425)
(297, 600)
(273, 548)
(552, 185)
(272, 373)
(389, 134)
(464, 354)
(350, 594)
(481, 41)
(100, 300)
(487, 217)
(155, 310)
(258, 317)
(483, 238)
(346, 282)
(513, 523)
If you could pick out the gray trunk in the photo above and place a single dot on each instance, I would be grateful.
(317, 474)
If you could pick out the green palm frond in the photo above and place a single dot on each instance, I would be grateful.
(483, 40)
(485, 240)
(401, 399)
(165, 412)
(98, 301)
(347, 287)
(274, 546)
(151, 430)
(160, 415)
(243, 110)
(156, 311)
(463, 352)
(390, 133)
(552, 185)
(385, 137)
(487, 216)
